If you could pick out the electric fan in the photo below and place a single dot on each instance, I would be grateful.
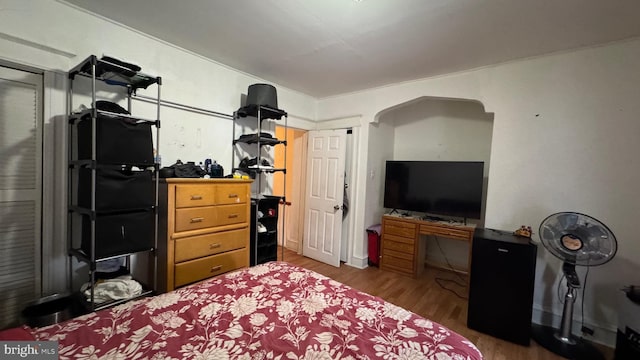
(576, 239)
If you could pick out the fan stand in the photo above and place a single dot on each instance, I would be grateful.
(563, 342)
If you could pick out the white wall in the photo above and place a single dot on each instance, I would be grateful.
(380, 148)
(564, 139)
(52, 36)
(434, 129)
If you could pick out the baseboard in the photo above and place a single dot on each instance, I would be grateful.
(604, 335)
(358, 262)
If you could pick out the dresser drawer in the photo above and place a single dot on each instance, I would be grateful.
(231, 194)
(195, 270)
(232, 214)
(210, 244)
(400, 228)
(196, 218)
(189, 195)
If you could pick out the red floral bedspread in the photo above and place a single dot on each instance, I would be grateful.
(270, 311)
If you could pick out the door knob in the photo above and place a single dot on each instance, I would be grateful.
(336, 207)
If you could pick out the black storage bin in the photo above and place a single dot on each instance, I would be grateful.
(117, 189)
(267, 239)
(52, 309)
(628, 334)
(118, 140)
(119, 233)
(268, 253)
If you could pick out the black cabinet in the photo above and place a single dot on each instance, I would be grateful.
(501, 285)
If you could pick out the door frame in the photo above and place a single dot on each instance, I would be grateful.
(294, 190)
(353, 200)
(54, 183)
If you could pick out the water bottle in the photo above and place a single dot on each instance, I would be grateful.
(158, 160)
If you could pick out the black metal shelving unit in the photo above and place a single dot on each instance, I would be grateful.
(266, 213)
(112, 175)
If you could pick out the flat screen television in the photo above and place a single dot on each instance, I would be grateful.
(450, 188)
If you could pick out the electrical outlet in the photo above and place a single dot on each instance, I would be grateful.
(586, 330)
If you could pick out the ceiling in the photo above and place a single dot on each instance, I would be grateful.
(329, 47)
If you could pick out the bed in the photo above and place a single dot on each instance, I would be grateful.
(270, 311)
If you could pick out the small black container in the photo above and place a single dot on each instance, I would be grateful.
(51, 309)
(117, 188)
(119, 233)
(216, 170)
(119, 140)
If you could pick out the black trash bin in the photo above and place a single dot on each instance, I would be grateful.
(50, 310)
(628, 338)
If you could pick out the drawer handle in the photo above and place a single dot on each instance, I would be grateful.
(197, 220)
(214, 246)
(216, 268)
(231, 196)
(233, 216)
(196, 197)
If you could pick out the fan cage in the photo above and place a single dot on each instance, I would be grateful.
(578, 239)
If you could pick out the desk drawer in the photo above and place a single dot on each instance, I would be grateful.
(400, 228)
(402, 246)
(231, 194)
(449, 232)
(195, 195)
(196, 218)
(210, 244)
(391, 260)
(195, 270)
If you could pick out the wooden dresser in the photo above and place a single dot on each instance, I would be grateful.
(401, 249)
(203, 229)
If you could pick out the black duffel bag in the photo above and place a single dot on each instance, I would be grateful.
(181, 170)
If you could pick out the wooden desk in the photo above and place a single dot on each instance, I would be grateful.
(401, 249)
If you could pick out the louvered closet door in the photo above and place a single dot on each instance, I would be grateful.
(20, 191)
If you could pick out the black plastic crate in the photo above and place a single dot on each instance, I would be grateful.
(119, 233)
(267, 239)
(269, 253)
(117, 189)
(119, 140)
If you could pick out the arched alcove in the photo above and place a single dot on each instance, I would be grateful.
(432, 129)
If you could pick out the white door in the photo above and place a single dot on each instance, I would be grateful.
(325, 190)
(20, 191)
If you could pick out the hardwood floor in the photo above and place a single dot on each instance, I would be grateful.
(425, 297)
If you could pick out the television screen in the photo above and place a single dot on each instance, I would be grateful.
(452, 188)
